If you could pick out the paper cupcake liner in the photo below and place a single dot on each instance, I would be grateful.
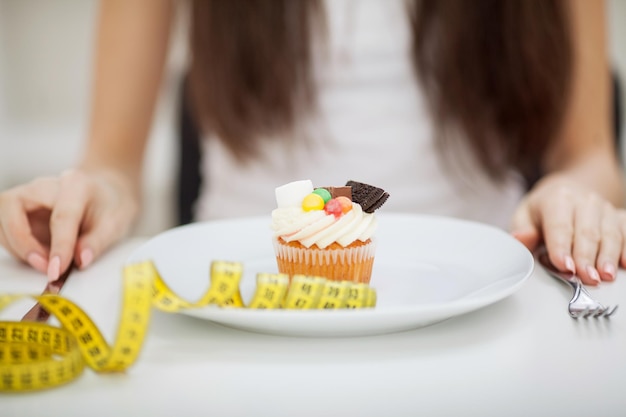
(344, 264)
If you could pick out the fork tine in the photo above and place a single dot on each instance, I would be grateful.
(599, 312)
(578, 313)
(608, 313)
(589, 312)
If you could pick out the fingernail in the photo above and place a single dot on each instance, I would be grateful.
(86, 257)
(609, 270)
(593, 274)
(519, 233)
(38, 262)
(54, 269)
(569, 263)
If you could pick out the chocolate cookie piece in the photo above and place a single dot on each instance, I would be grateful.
(370, 198)
(377, 204)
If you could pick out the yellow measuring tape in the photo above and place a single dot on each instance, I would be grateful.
(35, 356)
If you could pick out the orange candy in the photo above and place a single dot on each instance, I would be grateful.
(346, 204)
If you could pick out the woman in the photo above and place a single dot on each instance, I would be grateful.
(453, 107)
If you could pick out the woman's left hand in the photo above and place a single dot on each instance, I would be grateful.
(583, 232)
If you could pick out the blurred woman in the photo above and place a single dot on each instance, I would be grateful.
(488, 110)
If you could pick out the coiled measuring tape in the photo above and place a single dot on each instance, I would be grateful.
(35, 356)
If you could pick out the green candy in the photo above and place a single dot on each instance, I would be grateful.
(324, 193)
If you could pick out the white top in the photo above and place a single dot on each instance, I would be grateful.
(372, 126)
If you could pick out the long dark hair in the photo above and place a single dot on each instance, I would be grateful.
(498, 71)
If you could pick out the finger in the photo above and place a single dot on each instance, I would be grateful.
(610, 245)
(94, 241)
(37, 261)
(556, 218)
(587, 237)
(17, 235)
(5, 244)
(35, 258)
(524, 228)
(65, 222)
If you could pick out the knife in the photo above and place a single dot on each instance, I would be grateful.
(37, 312)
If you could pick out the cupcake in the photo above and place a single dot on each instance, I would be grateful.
(326, 231)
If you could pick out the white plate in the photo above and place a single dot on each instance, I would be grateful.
(427, 269)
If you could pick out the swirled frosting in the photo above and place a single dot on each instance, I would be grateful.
(291, 222)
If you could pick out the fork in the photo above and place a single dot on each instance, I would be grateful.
(37, 312)
(581, 304)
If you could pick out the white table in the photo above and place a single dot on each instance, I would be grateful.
(523, 356)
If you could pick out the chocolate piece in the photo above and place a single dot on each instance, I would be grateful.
(344, 191)
(370, 198)
(378, 203)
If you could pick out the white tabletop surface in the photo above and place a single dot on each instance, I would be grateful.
(523, 356)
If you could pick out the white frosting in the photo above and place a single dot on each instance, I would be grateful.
(321, 229)
(287, 221)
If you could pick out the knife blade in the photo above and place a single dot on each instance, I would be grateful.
(37, 312)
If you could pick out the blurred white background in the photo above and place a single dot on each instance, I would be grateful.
(45, 60)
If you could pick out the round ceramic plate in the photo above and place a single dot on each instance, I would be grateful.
(427, 269)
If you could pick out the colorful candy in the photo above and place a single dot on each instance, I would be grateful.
(312, 202)
(333, 207)
(346, 204)
(324, 193)
(321, 199)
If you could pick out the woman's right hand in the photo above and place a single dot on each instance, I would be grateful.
(77, 215)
